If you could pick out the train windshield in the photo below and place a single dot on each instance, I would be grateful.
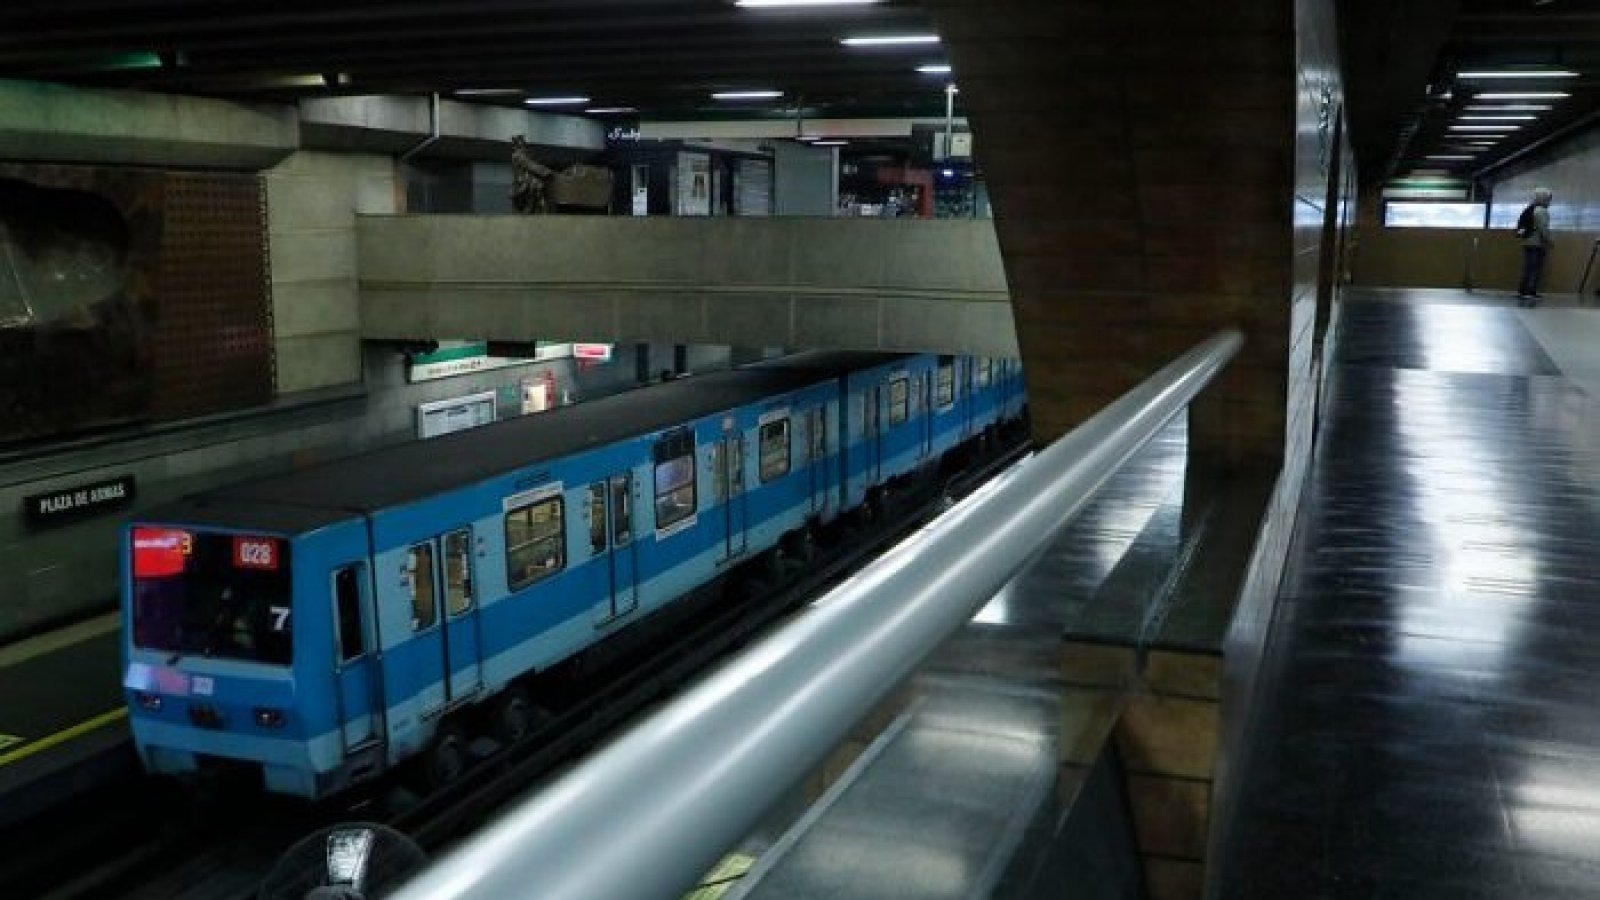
(217, 595)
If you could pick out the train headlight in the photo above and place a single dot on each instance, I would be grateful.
(148, 702)
(269, 718)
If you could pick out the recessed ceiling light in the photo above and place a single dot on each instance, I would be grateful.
(747, 95)
(1498, 118)
(1510, 107)
(935, 69)
(488, 92)
(1523, 95)
(555, 101)
(610, 110)
(775, 4)
(1518, 73)
(890, 40)
(1484, 127)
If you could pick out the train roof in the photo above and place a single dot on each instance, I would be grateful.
(832, 362)
(310, 498)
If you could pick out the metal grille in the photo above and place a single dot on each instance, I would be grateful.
(213, 339)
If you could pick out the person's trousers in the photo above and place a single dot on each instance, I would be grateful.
(1532, 268)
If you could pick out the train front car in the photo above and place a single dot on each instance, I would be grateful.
(223, 673)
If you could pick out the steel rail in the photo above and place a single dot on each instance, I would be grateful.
(649, 814)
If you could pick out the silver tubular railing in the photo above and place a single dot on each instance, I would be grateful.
(649, 814)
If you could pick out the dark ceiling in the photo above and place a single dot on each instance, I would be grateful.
(662, 56)
(665, 57)
(1423, 47)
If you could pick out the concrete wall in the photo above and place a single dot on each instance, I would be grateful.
(1472, 258)
(312, 202)
(869, 284)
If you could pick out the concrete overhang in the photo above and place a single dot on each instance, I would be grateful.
(392, 124)
(716, 129)
(57, 123)
(797, 282)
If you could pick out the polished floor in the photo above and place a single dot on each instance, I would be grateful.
(1432, 725)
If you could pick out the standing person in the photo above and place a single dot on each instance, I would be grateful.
(1534, 228)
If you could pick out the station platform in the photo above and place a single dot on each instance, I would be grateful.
(63, 729)
(1429, 725)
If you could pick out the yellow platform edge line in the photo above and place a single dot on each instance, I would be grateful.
(62, 736)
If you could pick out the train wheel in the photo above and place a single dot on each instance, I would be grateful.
(447, 757)
(800, 548)
(516, 717)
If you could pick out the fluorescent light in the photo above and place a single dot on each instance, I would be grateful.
(1524, 95)
(555, 101)
(1519, 73)
(747, 95)
(829, 143)
(487, 92)
(891, 40)
(777, 4)
(1484, 127)
(611, 110)
(1498, 118)
(1449, 156)
(935, 69)
(1510, 107)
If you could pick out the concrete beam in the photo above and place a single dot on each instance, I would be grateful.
(390, 124)
(857, 284)
(40, 121)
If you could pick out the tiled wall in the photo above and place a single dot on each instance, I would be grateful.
(1139, 158)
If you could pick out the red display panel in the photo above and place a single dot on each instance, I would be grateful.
(160, 552)
(260, 553)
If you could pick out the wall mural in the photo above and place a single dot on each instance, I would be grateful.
(129, 296)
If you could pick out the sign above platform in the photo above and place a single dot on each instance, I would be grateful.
(70, 504)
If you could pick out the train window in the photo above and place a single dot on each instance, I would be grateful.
(458, 571)
(675, 497)
(419, 578)
(869, 411)
(899, 401)
(985, 372)
(621, 509)
(817, 425)
(597, 518)
(946, 394)
(736, 465)
(536, 548)
(347, 608)
(774, 450)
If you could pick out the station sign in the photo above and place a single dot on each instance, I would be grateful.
(70, 504)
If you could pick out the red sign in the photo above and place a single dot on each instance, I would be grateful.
(160, 552)
(592, 352)
(255, 553)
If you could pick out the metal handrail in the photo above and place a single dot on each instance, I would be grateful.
(649, 814)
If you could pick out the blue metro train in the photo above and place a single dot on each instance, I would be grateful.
(329, 624)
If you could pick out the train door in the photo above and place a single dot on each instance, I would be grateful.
(420, 579)
(463, 637)
(872, 432)
(816, 459)
(358, 700)
(728, 474)
(624, 557)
